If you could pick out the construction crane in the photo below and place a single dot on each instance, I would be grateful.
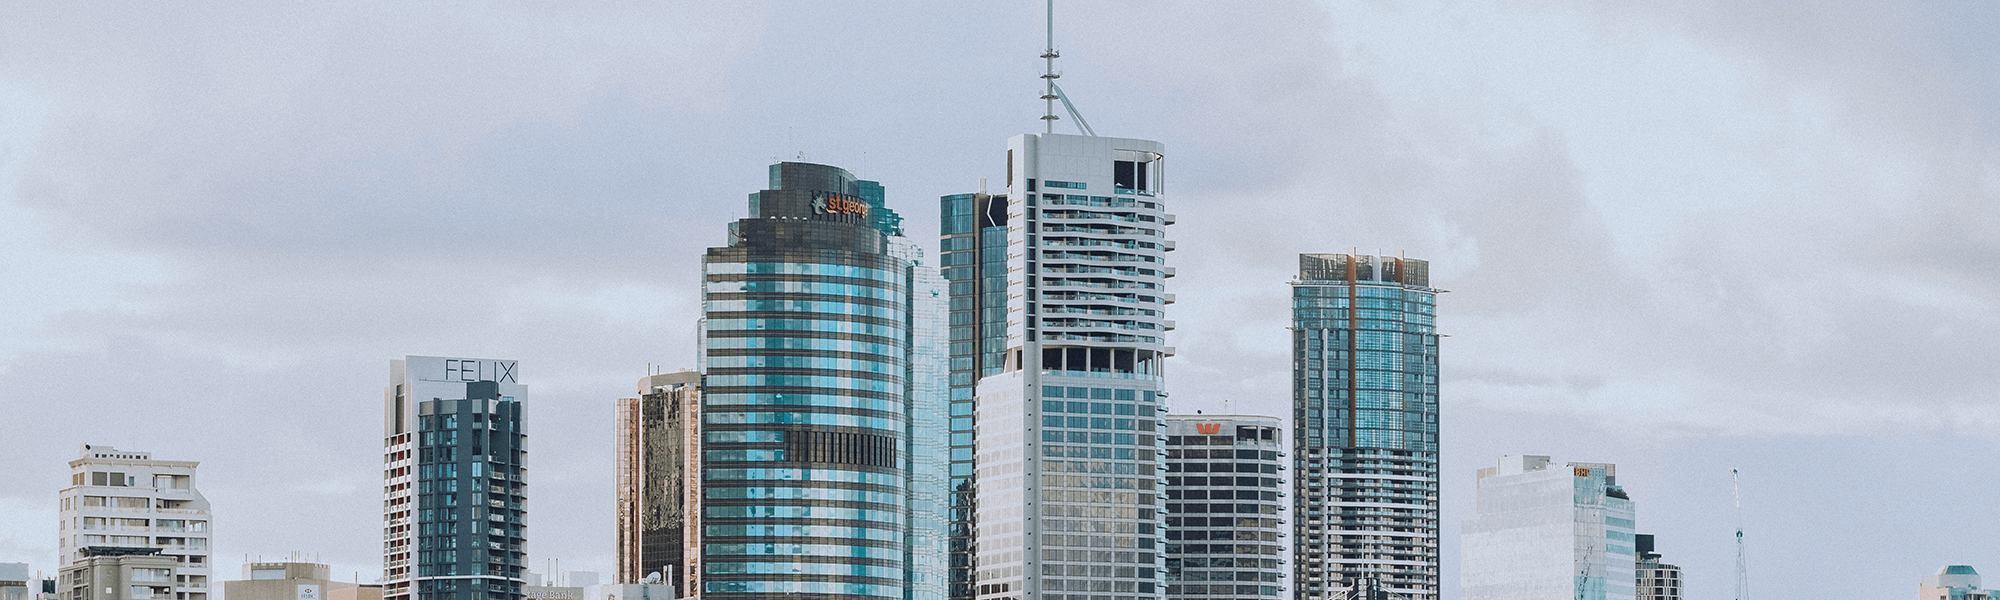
(1742, 567)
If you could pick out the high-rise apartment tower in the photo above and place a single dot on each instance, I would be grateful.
(823, 441)
(453, 524)
(1058, 298)
(659, 481)
(1365, 414)
(122, 502)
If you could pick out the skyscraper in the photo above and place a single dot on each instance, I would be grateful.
(1365, 412)
(1542, 532)
(1058, 298)
(659, 480)
(1223, 500)
(453, 525)
(823, 399)
(122, 502)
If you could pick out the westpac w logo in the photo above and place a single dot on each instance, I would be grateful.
(1208, 428)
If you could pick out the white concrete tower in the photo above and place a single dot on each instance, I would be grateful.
(1069, 392)
(124, 502)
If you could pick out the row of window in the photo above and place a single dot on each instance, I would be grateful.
(1095, 423)
(1088, 452)
(788, 530)
(818, 325)
(833, 475)
(821, 344)
(843, 495)
(837, 290)
(802, 418)
(1221, 467)
(1097, 408)
(765, 399)
(818, 381)
(875, 552)
(803, 568)
(799, 268)
(807, 512)
(803, 587)
(1239, 508)
(1081, 393)
(1089, 437)
(857, 309)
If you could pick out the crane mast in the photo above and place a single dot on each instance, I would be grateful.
(1742, 566)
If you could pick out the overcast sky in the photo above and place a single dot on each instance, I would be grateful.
(1679, 236)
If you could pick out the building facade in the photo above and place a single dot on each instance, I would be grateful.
(453, 518)
(659, 483)
(1365, 414)
(823, 399)
(1655, 580)
(1543, 531)
(1952, 582)
(126, 499)
(120, 573)
(1058, 299)
(1224, 496)
(295, 581)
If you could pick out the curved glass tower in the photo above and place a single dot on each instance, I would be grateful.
(823, 399)
(1365, 353)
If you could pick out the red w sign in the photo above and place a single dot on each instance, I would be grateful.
(1208, 428)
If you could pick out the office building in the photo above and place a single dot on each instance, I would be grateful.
(126, 499)
(1542, 531)
(822, 400)
(1365, 413)
(1655, 580)
(295, 581)
(453, 521)
(1224, 495)
(1058, 298)
(1952, 582)
(122, 573)
(659, 480)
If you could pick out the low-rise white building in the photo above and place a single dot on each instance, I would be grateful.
(1548, 532)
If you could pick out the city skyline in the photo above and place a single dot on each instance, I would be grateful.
(1650, 218)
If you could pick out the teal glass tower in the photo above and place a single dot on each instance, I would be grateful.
(823, 427)
(1365, 398)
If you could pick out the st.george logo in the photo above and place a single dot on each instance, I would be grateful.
(829, 203)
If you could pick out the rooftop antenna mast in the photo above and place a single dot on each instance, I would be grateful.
(1742, 566)
(1052, 92)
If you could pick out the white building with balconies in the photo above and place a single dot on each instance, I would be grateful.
(125, 499)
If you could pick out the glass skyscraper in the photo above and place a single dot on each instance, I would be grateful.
(1364, 390)
(659, 480)
(453, 521)
(1058, 323)
(823, 440)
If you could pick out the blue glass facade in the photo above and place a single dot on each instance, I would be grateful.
(1365, 398)
(823, 351)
